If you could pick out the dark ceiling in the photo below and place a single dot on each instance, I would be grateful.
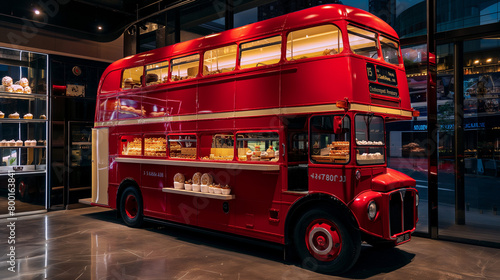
(82, 18)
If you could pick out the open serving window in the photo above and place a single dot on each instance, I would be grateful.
(330, 139)
(258, 146)
(155, 146)
(370, 135)
(218, 146)
(131, 145)
(182, 146)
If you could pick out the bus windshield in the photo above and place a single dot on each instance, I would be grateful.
(390, 50)
(363, 42)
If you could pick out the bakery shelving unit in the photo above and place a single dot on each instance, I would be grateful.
(26, 159)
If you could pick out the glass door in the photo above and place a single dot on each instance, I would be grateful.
(79, 179)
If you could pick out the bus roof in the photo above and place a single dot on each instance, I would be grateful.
(310, 16)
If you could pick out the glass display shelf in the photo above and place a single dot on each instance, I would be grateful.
(17, 147)
(23, 169)
(28, 96)
(8, 120)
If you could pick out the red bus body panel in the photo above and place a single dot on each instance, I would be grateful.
(252, 99)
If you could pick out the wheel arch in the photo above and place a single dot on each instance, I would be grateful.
(127, 182)
(316, 200)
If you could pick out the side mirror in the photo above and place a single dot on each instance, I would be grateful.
(337, 124)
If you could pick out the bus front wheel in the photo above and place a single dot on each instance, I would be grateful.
(131, 207)
(325, 243)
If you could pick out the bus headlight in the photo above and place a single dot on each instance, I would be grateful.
(416, 200)
(372, 210)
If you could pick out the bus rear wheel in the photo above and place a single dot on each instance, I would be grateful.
(325, 243)
(131, 207)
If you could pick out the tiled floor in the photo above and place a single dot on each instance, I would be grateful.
(90, 243)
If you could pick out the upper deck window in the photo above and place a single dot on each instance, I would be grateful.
(313, 42)
(157, 73)
(185, 67)
(219, 60)
(132, 77)
(363, 42)
(390, 50)
(261, 52)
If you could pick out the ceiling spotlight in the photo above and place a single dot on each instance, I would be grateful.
(476, 61)
(36, 11)
(488, 60)
(99, 27)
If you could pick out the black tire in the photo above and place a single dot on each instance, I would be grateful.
(131, 207)
(325, 242)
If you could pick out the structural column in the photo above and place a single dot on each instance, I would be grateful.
(432, 124)
(130, 41)
(229, 15)
(459, 134)
(172, 27)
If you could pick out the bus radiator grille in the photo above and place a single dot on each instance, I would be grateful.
(401, 211)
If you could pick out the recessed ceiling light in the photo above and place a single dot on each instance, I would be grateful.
(99, 27)
(36, 11)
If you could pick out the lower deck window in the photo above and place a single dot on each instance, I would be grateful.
(330, 144)
(155, 146)
(182, 146)
(370, 155)
(262, 146)
(131, 145)
(217, 147)
(370, 139)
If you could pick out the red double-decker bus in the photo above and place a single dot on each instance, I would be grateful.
(274, 131)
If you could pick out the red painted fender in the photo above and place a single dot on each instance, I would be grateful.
(392, 180)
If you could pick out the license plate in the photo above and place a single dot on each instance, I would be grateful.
(403, 238)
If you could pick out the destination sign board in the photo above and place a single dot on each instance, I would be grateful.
(379, 76)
